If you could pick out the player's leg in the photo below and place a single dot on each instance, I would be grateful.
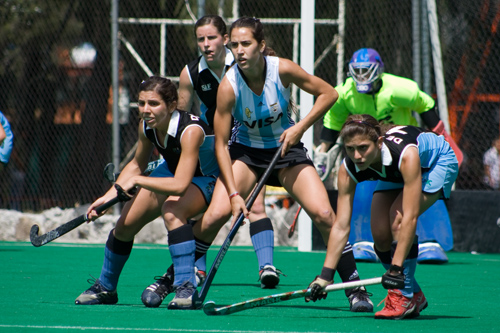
(142, 209)
(181, 243)
(176, 212)
(262, 236)
(396, 305)
(386, 221)
(218, 212)
(204, 232)
(303, 183)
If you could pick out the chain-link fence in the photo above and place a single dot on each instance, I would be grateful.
(55, 75)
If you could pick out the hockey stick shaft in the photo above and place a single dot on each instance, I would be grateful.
(39, 240)
(198, 302)
(294, 223)
(211, 309)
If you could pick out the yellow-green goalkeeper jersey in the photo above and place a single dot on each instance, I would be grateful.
(393, 103)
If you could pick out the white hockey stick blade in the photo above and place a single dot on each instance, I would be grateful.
(211, 309)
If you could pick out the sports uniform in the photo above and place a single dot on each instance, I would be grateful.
(156, 106)
(207, 169)
(393, 103)
(259, 120)
(438, 161)
(398, 159)
(8, 143)
(205, 83)
(439, 169)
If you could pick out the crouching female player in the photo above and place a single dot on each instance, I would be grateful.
(180, 188)
(414, 168)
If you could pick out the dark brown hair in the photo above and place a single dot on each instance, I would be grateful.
(361, 124)
(216, 20)
(162, 86)
(257, 28)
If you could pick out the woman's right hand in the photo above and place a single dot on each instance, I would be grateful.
(238, 206)
(91, 211)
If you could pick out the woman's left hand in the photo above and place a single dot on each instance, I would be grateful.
(129, 184)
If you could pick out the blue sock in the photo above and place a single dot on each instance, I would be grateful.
(182, 247)
(262, 235)
(116, 255)
(111, 269)
(410, 266)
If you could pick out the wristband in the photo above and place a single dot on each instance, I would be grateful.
(397, 269)
(232, 195)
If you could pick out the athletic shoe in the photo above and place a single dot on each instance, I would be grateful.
(201, 276)
(153, 296)
(269, 277)
(359, 300)
(183, 299)
(396, 306)
(97, 294)
(431, 253)
(420, 302)
(363, 251)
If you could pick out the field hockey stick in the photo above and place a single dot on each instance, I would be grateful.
(39, 240)
(198, 299)
(211, 309)
(294, 224)
(110, 174)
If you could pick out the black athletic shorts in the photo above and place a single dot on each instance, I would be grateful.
(258, 159)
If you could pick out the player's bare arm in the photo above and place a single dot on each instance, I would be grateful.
(411, 172)
(342, 225)
(185, 91)
(191, 141)
(325, 94)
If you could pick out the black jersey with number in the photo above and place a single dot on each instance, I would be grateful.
(170, 149)
(396, 141)
(205, 84)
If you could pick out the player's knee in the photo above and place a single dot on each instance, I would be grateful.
(212, 221)
(324, 218)
(169, 218)
(124, 233)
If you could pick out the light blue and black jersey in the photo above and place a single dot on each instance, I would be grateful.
(260, 119)
(170, 149)
(432, 149)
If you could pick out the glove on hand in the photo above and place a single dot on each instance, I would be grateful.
(125, 196)
(317, 289)
(393, 278)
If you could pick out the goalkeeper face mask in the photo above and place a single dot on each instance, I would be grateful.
(365, 68)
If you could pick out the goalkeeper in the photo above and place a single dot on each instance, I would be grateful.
(389, 99)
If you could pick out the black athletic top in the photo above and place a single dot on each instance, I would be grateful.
(205, 84)
(171, 148)
(396, 141)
